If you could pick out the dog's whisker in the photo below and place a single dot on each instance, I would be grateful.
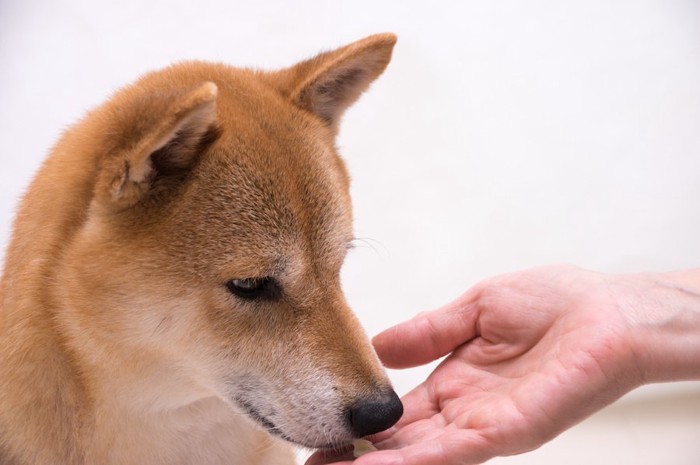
(368, 243)
(160, 323)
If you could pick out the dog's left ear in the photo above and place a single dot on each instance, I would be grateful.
(327, 84)
(165, 136)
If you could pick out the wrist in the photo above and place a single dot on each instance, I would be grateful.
(665, 326)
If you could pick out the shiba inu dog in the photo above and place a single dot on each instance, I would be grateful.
(171, 293)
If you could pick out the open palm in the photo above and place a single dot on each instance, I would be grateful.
(530, 354)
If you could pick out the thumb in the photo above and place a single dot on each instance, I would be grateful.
(429, 335)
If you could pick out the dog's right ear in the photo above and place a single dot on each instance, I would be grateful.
(329, 83)
(160, 137)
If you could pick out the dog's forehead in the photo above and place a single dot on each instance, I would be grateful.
(272, 154)
(268, 186)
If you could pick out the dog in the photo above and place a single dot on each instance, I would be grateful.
(171, 292)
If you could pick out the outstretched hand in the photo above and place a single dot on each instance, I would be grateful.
(530, 354)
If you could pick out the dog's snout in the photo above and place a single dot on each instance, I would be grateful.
(375, 414)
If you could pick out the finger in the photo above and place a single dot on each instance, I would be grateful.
(458, 447)
(430, 335)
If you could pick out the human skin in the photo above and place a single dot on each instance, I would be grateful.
(529, 355)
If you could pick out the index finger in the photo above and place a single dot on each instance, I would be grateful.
(430, 335)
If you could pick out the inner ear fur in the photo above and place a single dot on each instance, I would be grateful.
(172, 143)
(329, 83)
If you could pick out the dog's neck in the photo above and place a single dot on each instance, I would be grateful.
(48, 378)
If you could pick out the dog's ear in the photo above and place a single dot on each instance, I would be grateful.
(162, 137)
(327, 84)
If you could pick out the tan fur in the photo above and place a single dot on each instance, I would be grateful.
(119, 341)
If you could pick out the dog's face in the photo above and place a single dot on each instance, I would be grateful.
(214, 241)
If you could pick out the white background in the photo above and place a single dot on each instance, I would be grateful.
(504, 135)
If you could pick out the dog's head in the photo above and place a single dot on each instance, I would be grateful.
(219, 221)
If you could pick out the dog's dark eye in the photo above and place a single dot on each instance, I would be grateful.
(254, 288)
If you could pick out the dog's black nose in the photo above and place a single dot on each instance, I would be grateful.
(375, 414)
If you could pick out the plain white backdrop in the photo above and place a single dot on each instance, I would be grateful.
(504, 135)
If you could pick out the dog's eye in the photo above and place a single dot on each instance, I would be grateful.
(254, 288)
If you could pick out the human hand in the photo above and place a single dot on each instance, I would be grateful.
(531, 354)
